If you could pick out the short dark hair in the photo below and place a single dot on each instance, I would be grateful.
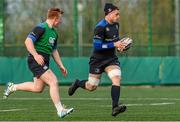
(109, 7)
(54, 12)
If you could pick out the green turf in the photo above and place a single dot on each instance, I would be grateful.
(144, 104)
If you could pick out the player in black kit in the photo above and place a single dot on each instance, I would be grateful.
(105, 42)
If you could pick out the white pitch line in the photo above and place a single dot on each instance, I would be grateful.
(154, 104)
(97, 99)
(10, 110)
(151, 104)
(174, 99)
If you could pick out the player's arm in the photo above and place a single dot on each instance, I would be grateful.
(99, 43)
(58, 61)
(29, 43)
(57, 58)
(30, 46)
(98, 40)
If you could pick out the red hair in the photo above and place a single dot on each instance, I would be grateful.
(54, 12)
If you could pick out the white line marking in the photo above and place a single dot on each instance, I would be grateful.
(151, 104)
(9, 110)
(97, 99)
(154, 104)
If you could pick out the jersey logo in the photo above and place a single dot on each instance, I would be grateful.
(109, 10)
(104, 46)
(51, 41)
(97, 37)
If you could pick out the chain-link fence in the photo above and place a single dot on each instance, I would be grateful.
(152, 24)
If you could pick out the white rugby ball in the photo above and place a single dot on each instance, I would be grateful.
(127, 42)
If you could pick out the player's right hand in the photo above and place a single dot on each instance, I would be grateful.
(39, 59)
(64, 70)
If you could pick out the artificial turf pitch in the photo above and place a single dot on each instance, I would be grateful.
(143, 104)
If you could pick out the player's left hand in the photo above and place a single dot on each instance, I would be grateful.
(63, 70)
(126, 43)
(120, 45)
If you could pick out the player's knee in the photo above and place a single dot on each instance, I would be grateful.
(38, 89)
(92, 83)
(53, 82)
(115, 73)
(115, 76)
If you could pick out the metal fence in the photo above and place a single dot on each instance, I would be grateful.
(152, 24)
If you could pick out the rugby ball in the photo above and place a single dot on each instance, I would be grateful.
(127, 42)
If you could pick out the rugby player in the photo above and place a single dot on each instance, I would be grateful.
(41, 44)
(103, 59)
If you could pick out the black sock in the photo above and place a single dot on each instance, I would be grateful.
(81, 83)
(115, 94)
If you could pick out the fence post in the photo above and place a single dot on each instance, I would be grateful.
(75, 27)
(177, 19)
(1, 27)
(150, 27)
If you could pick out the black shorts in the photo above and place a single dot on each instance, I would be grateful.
(35, 68)
(97, 65)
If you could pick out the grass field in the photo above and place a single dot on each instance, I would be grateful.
(144, 104)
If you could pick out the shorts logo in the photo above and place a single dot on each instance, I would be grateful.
(45, 67)
(117, 63)
(97, 70)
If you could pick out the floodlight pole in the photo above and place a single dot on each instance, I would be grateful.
(177, 32)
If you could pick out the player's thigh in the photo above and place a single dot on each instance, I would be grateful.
(114, 73)
(49, 77)
(39, 84)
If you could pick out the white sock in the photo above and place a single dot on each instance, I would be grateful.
(14, 88)
(59, 107)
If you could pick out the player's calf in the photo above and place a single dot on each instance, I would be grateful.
(90, 87)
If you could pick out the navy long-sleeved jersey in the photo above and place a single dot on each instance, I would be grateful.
(105, 35)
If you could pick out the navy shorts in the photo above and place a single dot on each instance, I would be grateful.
(98, 65)
(37, 69)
